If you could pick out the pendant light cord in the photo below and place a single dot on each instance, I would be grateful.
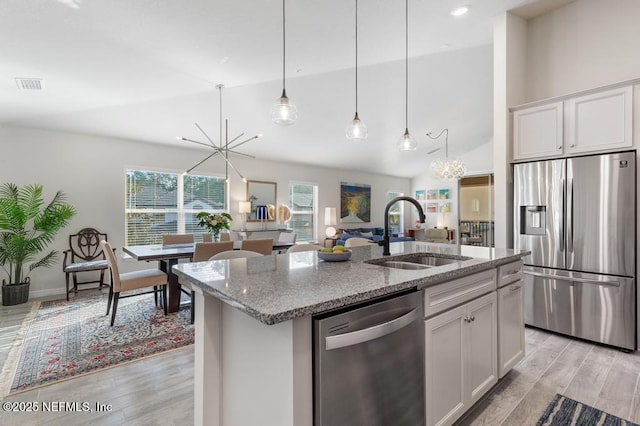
(406, 64)
(446, 141)
(356, 57)
(284, 45)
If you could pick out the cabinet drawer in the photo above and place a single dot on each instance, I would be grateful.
(509, 273)
(441, 297)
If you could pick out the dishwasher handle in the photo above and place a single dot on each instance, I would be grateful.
(371, 333)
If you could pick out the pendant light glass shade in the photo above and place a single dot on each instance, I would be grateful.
(407, 142)
(357, 129)
(284, 112)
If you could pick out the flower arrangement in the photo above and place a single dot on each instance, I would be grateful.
(214, 223)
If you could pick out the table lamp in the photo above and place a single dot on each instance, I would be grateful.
(244, 207)
(329, 221)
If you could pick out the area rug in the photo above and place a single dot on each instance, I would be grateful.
(566, 411)
(66, 339)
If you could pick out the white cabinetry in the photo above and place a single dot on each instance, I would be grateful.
(460, 352)
(537, 131)
(511, 346)
(601, 120)
(597, 121)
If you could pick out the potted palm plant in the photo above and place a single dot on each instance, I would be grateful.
(27, 227)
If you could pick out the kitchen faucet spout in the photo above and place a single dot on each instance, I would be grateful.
(385, 239)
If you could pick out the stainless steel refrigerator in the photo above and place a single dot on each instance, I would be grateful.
(577, 216)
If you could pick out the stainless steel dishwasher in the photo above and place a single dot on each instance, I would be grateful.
(369, 364)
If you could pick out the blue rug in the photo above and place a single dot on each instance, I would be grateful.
(566, 411)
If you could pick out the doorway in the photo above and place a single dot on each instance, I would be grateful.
(476, 210)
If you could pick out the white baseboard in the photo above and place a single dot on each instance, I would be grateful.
(34, 294)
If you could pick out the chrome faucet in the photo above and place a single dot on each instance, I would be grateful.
(385, 239)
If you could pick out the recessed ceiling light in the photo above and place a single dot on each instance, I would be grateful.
(459, 11)
(444, 46)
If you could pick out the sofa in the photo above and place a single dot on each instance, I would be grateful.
(432, 235)
(373, 234)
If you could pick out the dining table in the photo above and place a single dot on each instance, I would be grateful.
(168, 255)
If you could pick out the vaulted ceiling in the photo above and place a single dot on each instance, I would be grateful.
(146, 70)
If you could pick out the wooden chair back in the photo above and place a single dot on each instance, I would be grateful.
(262, 245)
(204, 251)
(85, 245)
(168, 239)
(287, 237)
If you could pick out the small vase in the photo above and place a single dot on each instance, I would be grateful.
(216, 236)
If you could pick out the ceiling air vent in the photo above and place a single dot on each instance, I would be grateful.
(30, 83)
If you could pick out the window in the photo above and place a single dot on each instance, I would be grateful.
(160, 203)
(396, 214)
(302, 202)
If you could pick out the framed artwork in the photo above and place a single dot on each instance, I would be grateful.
(445, 208)
(421, 194)
(355, 202)
(432, 194)
(443, 194)
(432, 208)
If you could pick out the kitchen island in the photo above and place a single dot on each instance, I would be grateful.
(253, 350)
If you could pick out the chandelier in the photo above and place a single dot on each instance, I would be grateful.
(446, 169)
(222, 149)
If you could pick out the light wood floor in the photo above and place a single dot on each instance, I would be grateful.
(159, 390)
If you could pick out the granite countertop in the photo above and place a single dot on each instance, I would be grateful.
(277, 288)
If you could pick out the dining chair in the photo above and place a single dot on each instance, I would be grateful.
(287, 237)
(304, 247)
(235, 254)
(356, 242)
(207, 238)
(168, 239)
(261, 245)
(204, 251)
(225, 236)
(127, 281)
(85, 255)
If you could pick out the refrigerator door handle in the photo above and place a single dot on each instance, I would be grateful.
(563, 229)
(612, 283)
(570, 215)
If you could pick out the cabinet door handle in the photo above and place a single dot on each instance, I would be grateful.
(514, 288)
(573, 145)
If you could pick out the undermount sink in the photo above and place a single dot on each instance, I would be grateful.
(417, 262)
(402, 265)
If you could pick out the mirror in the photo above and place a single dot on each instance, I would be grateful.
(262, 194)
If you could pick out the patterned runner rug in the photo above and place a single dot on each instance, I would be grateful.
(565, 411)
(63, 339)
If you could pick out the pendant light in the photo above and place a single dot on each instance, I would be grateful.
(356, 129)
(284, 112)
(406, 142)
(447, 169)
